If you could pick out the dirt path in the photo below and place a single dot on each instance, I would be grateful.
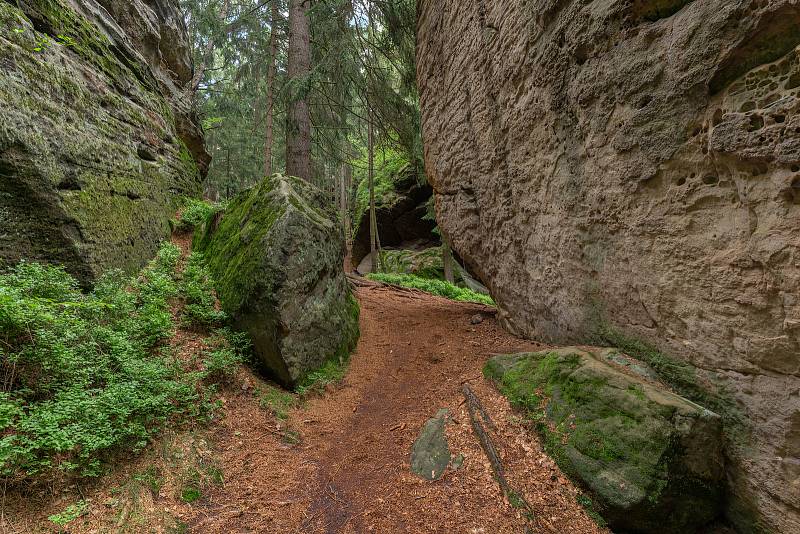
(341, 462)
(350, 471)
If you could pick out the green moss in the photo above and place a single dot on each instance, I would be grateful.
(60, 21)
(277, 257)
(617, 438)
(247, 219)
(391, 168)
(682, 377)
(60, 123)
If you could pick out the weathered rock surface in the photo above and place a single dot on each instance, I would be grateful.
(430, 454)
(652, 460)
(97, 139)
(634, 168)
(401, 209)
(277, 257)
(425, 263)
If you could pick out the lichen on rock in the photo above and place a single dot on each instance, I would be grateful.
(645, 453)
(277, 255)
(98, 140)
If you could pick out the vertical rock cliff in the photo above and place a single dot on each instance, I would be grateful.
(98, 138)
(629, 172)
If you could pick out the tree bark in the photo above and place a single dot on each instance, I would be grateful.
(273, 59)
(447, 261)
(298, 127)
(373, 221)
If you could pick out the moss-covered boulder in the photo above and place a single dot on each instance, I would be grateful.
(402, 199)
(278, 255)
(98, 140)
(652, 460)
(425, 263)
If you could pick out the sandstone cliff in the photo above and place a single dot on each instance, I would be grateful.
(98, 139)
(629, 171)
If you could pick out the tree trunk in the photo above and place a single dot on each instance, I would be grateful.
(373, 221)
(273, 60)
(208, 53)
(298, 127)
(447, 261)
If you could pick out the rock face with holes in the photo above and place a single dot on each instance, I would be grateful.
(98, 139)
(277, 255)
(629, 171)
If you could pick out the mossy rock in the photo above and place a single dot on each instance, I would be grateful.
(278, 257)
(92, 155)
(426, 263)
(652, 459)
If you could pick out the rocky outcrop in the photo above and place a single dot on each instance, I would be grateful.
(630, 171)
(401, 211)
(644, 453)
(98, 139)
(425, 263)
(430, 454)
(277, 256)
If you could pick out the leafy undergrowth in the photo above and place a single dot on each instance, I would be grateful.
(87, 376)
(195, 211)
(435, 287)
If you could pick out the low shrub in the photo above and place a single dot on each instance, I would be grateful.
(87, 374)
(195, 212)
(197, 289)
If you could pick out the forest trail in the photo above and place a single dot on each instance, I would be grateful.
(350, 471)
(339, 462)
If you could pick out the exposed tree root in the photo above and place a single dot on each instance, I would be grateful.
(476, 409)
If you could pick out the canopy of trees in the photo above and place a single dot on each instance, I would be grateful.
(297, 86)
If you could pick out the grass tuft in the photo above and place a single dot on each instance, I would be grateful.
(434, 287)
(196, 212)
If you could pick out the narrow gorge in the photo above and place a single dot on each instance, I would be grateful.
(412, 266)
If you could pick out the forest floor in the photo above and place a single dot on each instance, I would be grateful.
(338, 461)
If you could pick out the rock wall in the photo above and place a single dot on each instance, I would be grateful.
(98, 139)
(630, 170)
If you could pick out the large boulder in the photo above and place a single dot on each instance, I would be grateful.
(652, 459)
(278, 258)
(98, 140)
(631, 170)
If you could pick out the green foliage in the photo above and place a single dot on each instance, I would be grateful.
(277, 401)
(196, 212)
(151, 478)
(435, 287)
(197, 289)
(70, 513)
(426, 263)
(391, 167)
(190, 494)
(226, 354)
(86, 374)
(331, 372)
